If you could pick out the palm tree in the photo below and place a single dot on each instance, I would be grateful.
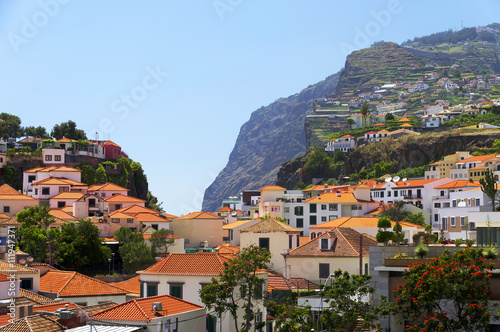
(364, 112)
(350, 122)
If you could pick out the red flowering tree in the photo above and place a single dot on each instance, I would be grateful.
(449, 293)
(239, 286)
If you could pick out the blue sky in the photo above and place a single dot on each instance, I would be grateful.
(172, 81)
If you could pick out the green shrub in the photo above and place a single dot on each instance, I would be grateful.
(490, 253)
(421, 250)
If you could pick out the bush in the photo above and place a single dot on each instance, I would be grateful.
(458, 242)
(470, 242)
(490, 253)
(421, 250)
(401, 256)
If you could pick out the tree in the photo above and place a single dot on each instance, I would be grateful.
(161, 240)
(396, 211)
(389, 116)
(134, 252)
(351, 297)
(383, 235)
(489, 186)
(35, 216)
(238, 283)
(100, 175)
(317, 164)
(135, 256)
(88, 173)
(68, 130)
(449, 293)
(34, 241)
(153, 202)
(10, 125)
(36, 132)
(398, 233)
(364, 112)
(81, 246)
(415, 218)
(350, 122)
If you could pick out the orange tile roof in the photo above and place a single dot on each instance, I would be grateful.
(343, 197)
(59, 181)
(354, 222)
(477, 168)
(34, 297)
(143, 216)
(404, 120)
(276, 281)
(272, 188)
(34, 323)
(225, 209)
(270, 225)
(371, 132)
(9, 193)
(64, 140)
(201, 264)
(120, 215)
(104, 143)
(234, 224)
(131, 285)
(477, 159)
(227, 249)
(347, 136)
(107, 187)
(406, 125)
(60, 214)
(141, 310)
(52, 307)
(68, 209)
(68, 195)
(123, 198)
(5, 189)
(378, 124)
(52, 169)
(4, 216)
(414, 183)
(347, 244)
(6, 267)
(200, 215)
(459, 184)
(147, 236)
(383, 131)
(134, 208)
(68, 284)
(3, 277)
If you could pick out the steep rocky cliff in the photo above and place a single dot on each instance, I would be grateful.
(273, 135)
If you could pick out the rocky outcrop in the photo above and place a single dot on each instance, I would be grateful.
(273, 135)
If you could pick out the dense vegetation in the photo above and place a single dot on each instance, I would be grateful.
(450, 36)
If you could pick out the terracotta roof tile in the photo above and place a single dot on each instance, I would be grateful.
(201, 215)
(37, 298)
(123, 198)
(338, 197)
(344, 242)
(477, 159)
(67, 284)
(5, 189)
(269, 225)
(272, 188)
(459, 184)
(53, 169)
(134, 208)
(149, 217)
(276, 281)
(9, 193)
(353, 222)
(67, 195)
(57, 181)
(225, 209)
(131, 285)
(107, 187)
(235, 224)
(60, 214)
(141, 310)
(35, 323)
(202, 264)
(6, 267)
(3, 277)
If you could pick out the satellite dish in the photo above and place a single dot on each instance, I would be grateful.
(234, 213)
(404, 179)
(396, 178)
(388, 179)
(462, 204)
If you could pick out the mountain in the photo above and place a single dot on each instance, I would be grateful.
(273, 135)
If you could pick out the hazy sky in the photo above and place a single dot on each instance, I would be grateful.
(173, 81)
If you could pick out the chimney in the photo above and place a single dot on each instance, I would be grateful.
(23, 311)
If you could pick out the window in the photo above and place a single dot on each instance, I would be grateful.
(324, 270)
(436, 217)
(300, 222)
(6, 209)
(92, 202)
(264, 242)
(324, 244)
(478, 202)
(36, 191)
(57, 158)
(323, 219)
(441, 193)
(332, 217)
(31, 178)
(462, 221)
(437, 205)
(299, 211)
(312, 220)
(354, 207)
(63, 189)
(332, 207)
(258, 320)
(45, 191)
(115, 220)
(290, 241)
(48, 157)
(26, 283)
(395, 194)
(151, 289)
(381, 194)
(312, 208)
(454, 203)
(61, 204)
(176, 290)
(323, 206)
(286, 209)
(388, 194)
(452, 222)
(130, 221)
(118, 206)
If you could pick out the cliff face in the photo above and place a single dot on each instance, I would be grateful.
(273, 135)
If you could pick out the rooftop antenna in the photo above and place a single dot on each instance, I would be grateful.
(96, 135)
